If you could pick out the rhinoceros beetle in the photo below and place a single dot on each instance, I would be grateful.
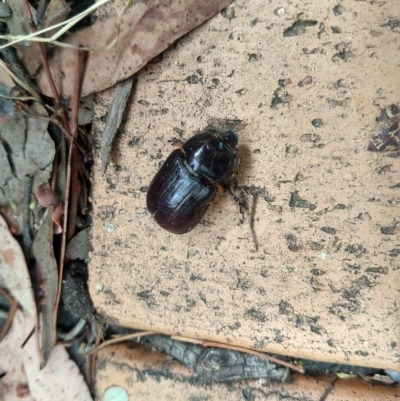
(187, 182)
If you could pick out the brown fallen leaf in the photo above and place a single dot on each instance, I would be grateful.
(146, 29)
(57, 11)
(14, 276)
(59, 380)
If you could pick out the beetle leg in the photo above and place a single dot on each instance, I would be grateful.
(241, 205)
(176, 142)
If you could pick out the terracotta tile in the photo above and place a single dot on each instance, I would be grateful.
(324, 284)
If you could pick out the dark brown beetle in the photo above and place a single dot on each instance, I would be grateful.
(187, 182)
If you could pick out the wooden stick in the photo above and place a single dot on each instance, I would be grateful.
(297, 368)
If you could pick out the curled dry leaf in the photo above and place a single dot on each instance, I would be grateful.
(146, 29)
(59, 380)
(46, 197)
(58, 219)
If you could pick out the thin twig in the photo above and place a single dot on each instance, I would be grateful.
(119, 339)
(297, 368)
(84, 189)
(26, 216)
(73, 155)
(68, 25)
(73, 129)
(330, 387)
(46, 67)
(75, 191)
(19, 98)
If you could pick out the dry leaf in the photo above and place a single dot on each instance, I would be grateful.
(46, 197)
(26, 150)
(57, 11)
(147, 29)
(78, 247)
(42, 250)
(6, 80)
(59, 380)
(14, 276)
(58, 215)
(11, 361)
(14, 273)
(18, 23)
